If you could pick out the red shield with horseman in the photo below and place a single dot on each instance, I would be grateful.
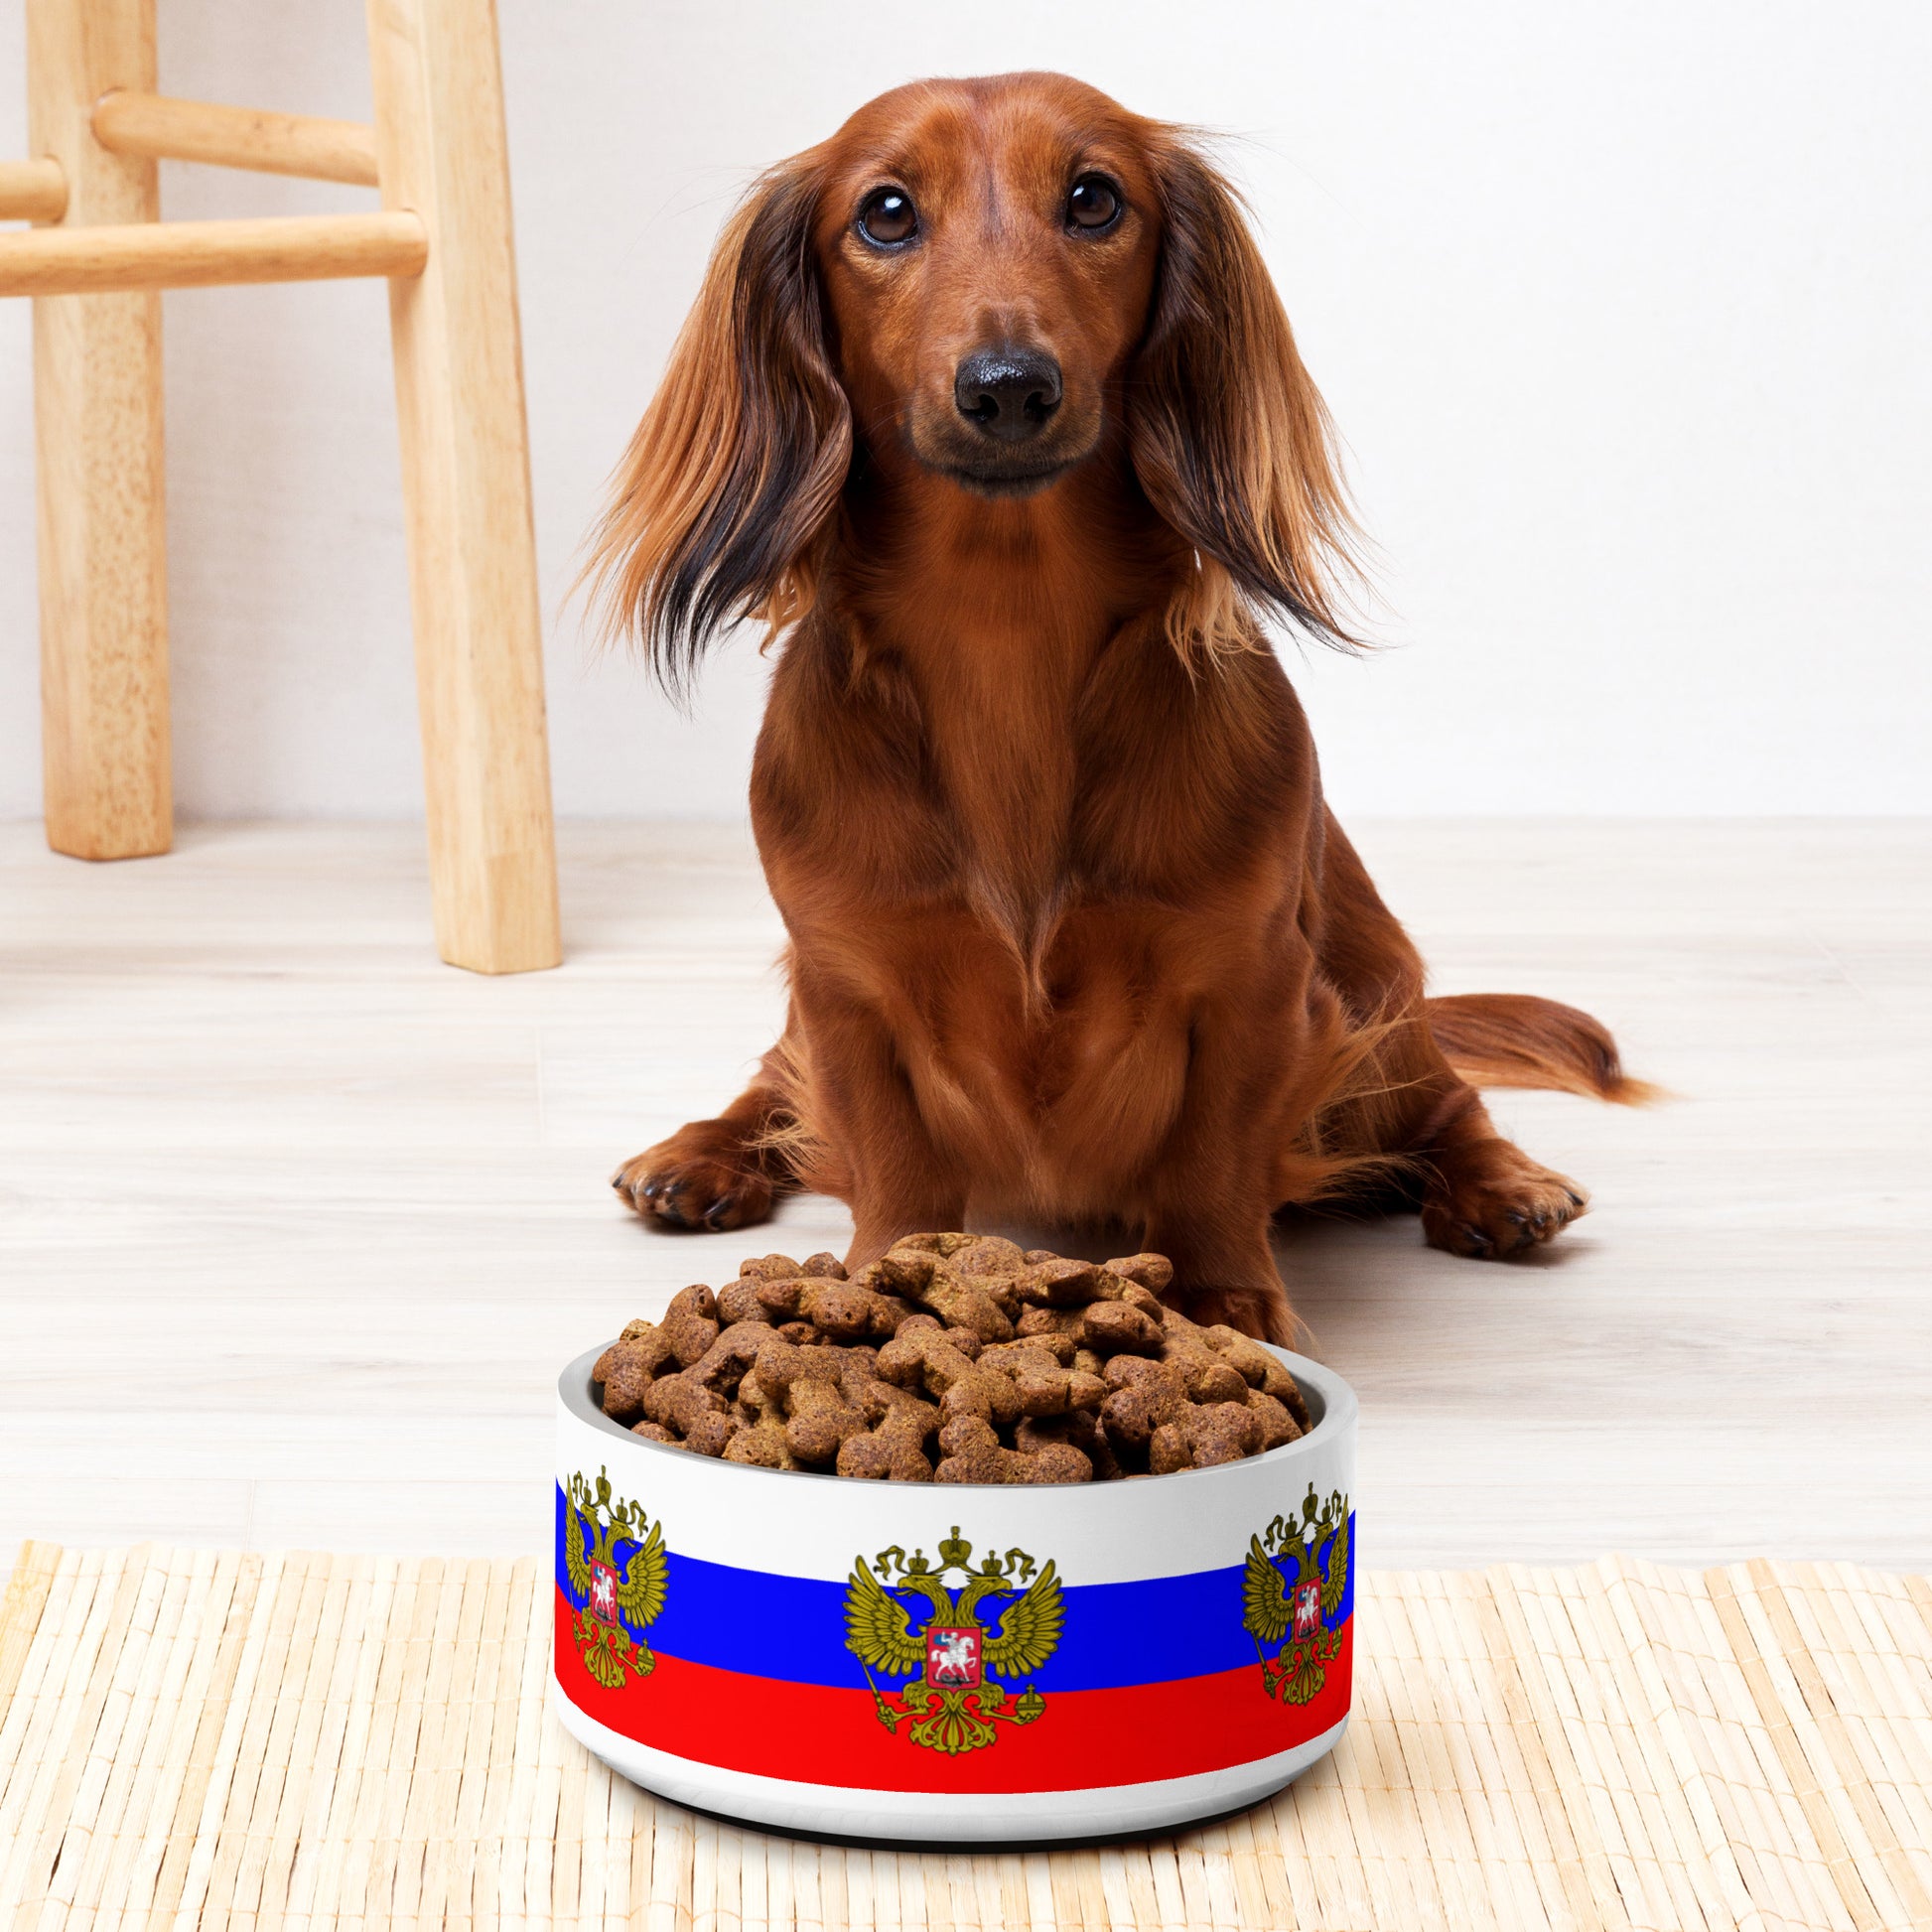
(1308, 1608)
(604, 1592)
(952, 1656)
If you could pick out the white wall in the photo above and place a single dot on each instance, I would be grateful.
(1621, 311)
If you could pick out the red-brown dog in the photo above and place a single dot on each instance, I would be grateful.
(988, 405)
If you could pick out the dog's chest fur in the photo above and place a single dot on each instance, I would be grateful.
(961, 839)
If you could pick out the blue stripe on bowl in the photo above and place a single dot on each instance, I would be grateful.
(793, 1627)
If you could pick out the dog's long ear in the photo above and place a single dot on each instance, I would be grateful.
(1230, 438)
(719, 504)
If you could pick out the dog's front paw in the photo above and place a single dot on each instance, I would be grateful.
(683, 1186)
(1491, 1201)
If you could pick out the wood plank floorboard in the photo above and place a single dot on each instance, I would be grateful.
(297, 1224)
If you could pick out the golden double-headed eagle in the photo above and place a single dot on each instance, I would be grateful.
(625, 1598)
(952, 1702)
(1291, 1613)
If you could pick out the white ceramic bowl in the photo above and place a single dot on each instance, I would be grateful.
(972, 1663)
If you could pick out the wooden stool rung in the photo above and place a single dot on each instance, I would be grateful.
(33, 191)
(207, 254)
(130, 122)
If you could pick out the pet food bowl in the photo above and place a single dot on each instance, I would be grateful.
(956, 1664)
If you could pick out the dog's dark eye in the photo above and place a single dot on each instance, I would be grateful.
(1094, 203)
(888, 218)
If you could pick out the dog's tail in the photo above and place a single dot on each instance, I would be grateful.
(1515, 1040)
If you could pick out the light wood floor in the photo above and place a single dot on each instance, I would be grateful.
(297, 1225)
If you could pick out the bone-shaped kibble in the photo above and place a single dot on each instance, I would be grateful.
(739, 1302)
(894, 1448)
(972, 1453)
(1202, 1436)
(1277, 1424)
(818, 1417)
(1045, 1387)
(922, 1360)
(988, 1255)
(698, 1414)
(723, 1366)
(964, 1339)
(1119, 1328)
(1257, 1369)
(1146, 1396)
(1209, 1377)
(763, 1445)
(844, 1310)
(1062, 1283)
(1155, 1273)
(768, 1268)
(923, 1278)
(690, 1324)
(629, 1367)
(1078, 1429)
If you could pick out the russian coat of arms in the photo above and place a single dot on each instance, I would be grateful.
(1297, 1571)
(953, 1702)
(614, 1555)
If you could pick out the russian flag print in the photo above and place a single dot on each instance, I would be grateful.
(952, 1660)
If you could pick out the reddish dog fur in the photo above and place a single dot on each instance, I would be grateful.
(1073, 935)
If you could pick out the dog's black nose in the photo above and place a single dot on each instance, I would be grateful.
(1009, 392)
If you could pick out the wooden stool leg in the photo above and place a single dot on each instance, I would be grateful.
(466, 470)
(103, 571)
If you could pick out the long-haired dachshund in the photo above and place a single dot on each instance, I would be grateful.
(989, 409)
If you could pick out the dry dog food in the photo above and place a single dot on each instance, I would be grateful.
(953, 1358)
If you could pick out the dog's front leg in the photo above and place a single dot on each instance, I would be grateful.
(1209, 1197)
(863, 1103)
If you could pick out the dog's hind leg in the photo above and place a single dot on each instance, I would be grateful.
(1480, 1194)
(715, 1175)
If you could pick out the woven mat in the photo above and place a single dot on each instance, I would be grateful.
(230, 1739)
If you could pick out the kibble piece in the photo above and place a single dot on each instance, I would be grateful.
(1152, 1272)
(1220, 1431)
(1133, 1413)
(654, 1432)
(1078, 1429)
(818, 1417)
(768, 1267)
(1050, 1322)
(679, 1402)
(690, 1324)
(1258, 1370)
(1168, 1450)
(842, 1311)
(739, 1301)
(1277, 1425)
(988, 1255)
(943, 1245)
(894, 1448)
(763, 1445)
(974, 1453)
(1061, 1284)
(1116, 1328)
(922, 1277)
(827, 1266)
(724, 1365)
(627, 1370)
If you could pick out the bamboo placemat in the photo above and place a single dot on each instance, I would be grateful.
(236, 1739)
